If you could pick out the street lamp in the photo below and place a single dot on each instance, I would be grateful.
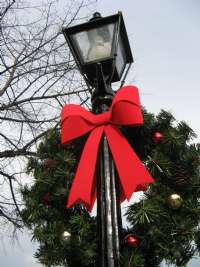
(102, 52)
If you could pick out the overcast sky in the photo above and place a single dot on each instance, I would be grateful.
(165, 41)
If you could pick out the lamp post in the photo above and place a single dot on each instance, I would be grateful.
(102, 52)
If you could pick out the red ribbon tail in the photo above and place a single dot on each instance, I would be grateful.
(132, 173)
(83, 188)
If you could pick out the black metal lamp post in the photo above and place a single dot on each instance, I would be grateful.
(102, 52)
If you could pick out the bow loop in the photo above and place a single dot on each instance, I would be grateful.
(75, 122)
(126, 107)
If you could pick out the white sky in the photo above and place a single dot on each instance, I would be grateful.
(165, 41)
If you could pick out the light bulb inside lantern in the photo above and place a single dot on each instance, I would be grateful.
(99, 49)
(100, 43)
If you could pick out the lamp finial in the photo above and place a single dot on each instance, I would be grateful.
(96, 16)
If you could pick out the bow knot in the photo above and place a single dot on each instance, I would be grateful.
(102, 119)
(77, 121)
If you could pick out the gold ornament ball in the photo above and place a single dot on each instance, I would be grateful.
(66, 236)
(175, 201)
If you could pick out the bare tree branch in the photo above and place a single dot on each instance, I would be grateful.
(37, 77)
(10, 78)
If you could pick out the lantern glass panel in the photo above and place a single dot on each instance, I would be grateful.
(95, 44)
(121, 57)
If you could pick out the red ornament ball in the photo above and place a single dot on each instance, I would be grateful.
(131, 241)
(45, 199)
(157, 137)
(49, 164)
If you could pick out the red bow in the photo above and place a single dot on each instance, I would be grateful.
(77, 121)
